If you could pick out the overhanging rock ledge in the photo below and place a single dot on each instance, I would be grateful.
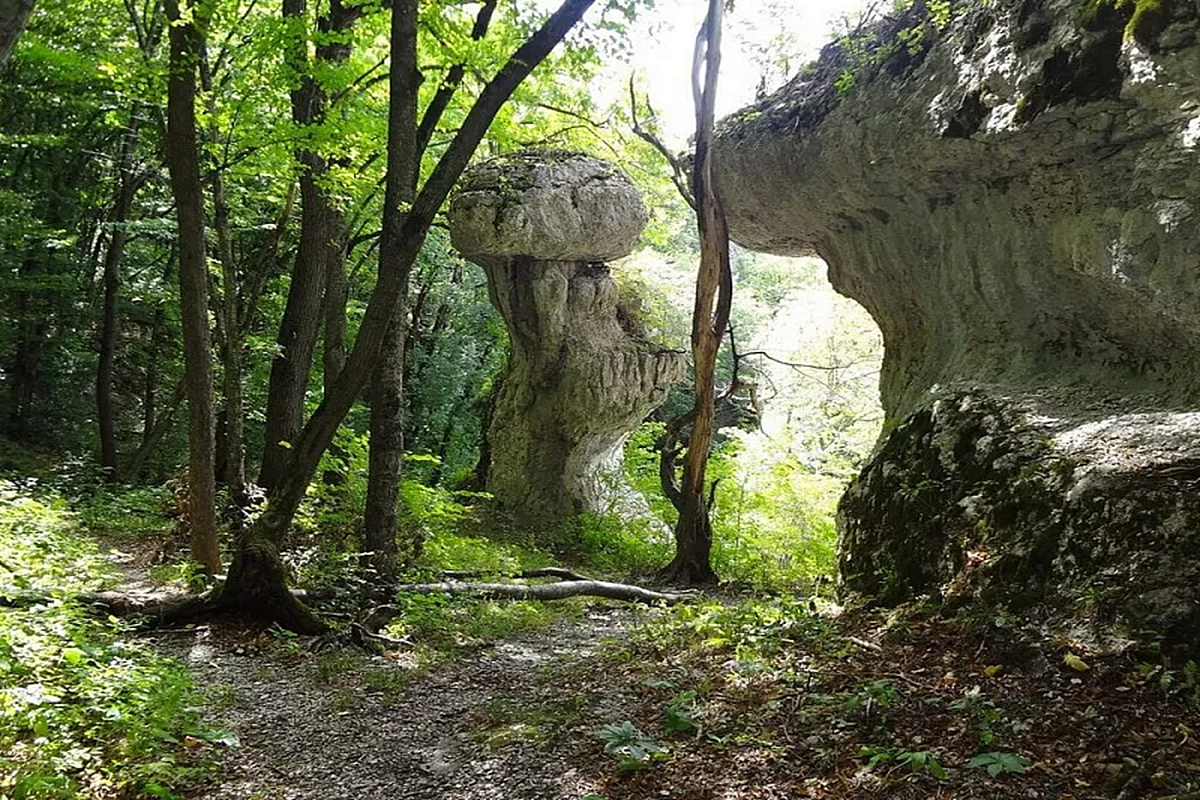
(1014, 200)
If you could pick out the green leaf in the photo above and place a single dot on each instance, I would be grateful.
(999, 763)
(72, 655)
(1075, 662)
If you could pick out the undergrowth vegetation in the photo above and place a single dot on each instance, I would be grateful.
(85, 710)
(788, 693)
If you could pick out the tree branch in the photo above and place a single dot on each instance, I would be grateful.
(678, 173)
(454, 78)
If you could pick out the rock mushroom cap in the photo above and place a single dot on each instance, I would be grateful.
(550, 205)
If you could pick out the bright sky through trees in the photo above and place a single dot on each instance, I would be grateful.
(770, 38)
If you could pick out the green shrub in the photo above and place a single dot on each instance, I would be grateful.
(608, 544)
(773, 520)
(127, 511)
(84, 711)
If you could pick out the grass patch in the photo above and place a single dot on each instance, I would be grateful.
(447, 625)
(85, 711)
(502, 721)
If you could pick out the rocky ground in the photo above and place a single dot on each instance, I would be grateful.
(346, 725)
(771, 710)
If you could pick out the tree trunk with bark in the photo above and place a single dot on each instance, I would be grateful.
(152, 437)
(257, 579)
(25, 368)
(13, 16)
(387, 381)
(710, 317)
(127, 186)
(321, 231)
(183, 161)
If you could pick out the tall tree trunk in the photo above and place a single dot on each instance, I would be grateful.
(337, 295)
(233, 441)
(150, 380)
(321, 230)
(256, 582)
(693, 532)
(335, 50)
(231, 438)
(13, 16)
(25, 369)
(183, 162)
(387, 381)
(127, 186)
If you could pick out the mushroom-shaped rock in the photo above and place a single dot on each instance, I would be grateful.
(542, 224)
(547, 205)
(1013, 196)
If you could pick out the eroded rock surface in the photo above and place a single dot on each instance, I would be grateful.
(1015, 202)
(543, 225)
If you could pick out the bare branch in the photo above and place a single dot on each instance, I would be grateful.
(678, 176)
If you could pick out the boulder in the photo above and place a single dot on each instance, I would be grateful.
(1013, 196)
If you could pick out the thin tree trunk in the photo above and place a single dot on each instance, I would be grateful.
(126, 190)
(153, 436)
(335, 50)
(25, 369)
(150, 384)
(387, 381)
(231, 439)
(234, 439)
(256, 580)
(693, 532)
(337, 295)
(320, 231)
(183, 161)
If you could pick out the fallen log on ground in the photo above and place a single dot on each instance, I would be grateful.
(365, 630)
(541, 572)
(546, 591)
(160, 607)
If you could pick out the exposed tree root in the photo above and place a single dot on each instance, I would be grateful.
(257, 587)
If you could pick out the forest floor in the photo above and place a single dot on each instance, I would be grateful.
(731, 699)
(347, 725)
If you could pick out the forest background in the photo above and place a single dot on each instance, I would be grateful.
(93, 291)
(91, 344)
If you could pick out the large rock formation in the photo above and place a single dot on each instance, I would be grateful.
(1014, 198)
(542, 225)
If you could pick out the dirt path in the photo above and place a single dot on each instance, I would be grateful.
(492, 725)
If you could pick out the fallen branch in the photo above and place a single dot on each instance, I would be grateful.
(864, 644)
(160, 608)
(545, 591)
(365, 631)
(543, 572)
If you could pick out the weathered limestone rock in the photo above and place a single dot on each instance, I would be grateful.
(1015, 202)
(542, 225)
